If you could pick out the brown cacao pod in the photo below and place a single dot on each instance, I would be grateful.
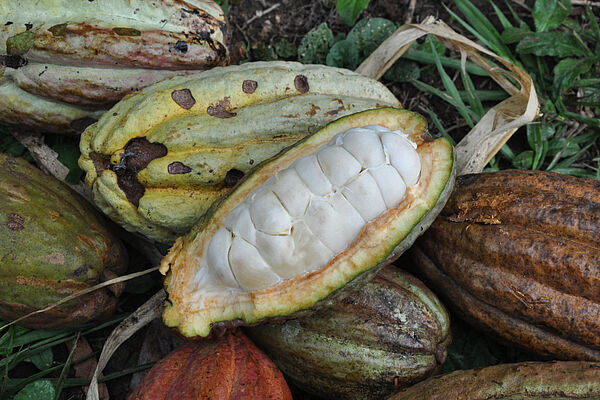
(390, 333)
(63, 63)
(228, 367)
(561, 380)
(54, 244)
(516, 253)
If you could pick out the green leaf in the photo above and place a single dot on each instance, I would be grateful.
(432, 46)
(38, 390)
(262, 52)
(515, 35)
(42, 360)
(68, 154)
(286, 49)
(315, 45)
(567, 71)
(349, 10)
(369, 33)
(403, 71)
(524, 160)
(559, 44)
(10, 146)
(343, 54)
(550, 14)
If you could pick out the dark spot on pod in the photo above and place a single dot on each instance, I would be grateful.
(58, 30)
(101, 162)
(232, 177)
(219, 111)
(181, 46)
(251, 161)
(177, 168)
(126, 31)
(249, 86)
(12, 61)
(428, 137)
(183, 98)
(8, 23)
(301, 83)
(138, 153)
(80, 124)
(80, 271)
(15, 222)
(28, 26)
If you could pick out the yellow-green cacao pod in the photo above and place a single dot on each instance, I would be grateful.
(561, 380)
(390, 333)
(161, 157)
(63, 63)
(54, 244)
(310, 223)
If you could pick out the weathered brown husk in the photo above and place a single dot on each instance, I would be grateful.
(560, 380)
(54, 244)
(390, 333)
(516, 254)
(228, 367)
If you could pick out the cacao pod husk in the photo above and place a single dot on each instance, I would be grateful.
(54, 244)
(63, 63)
(559, 380)
(516, 253)
(228, 367)
(390, 333)
(161, 157)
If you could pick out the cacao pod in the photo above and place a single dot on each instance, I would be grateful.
(327, 211)
(516, 253)
(229, 367)
(390, 333)
(560, 380)
(161, 157)
(63, 63)
(54, 244)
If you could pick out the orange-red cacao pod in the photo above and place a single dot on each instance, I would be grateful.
(229, 367)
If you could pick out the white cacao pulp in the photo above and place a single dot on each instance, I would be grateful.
(305, 215)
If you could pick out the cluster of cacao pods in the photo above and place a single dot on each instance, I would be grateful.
(288, 190)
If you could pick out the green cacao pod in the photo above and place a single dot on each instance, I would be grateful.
(560, 380)
(53, 245)
(328, 211)
(161, 157)
(228, 367)
(63, 63)
(516, 254)
(389, 334)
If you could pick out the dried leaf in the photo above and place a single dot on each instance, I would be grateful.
(499, 123)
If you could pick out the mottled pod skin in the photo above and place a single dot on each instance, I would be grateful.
(517, 254)
(53, 244)
(63, 63)
(389, 334)
(199, 299)
(225, 368)
(559, 380)
(161, 157)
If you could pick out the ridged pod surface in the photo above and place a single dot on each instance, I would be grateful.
(325, 213)
(390, 333)
(63, 63)
(53, 245)
(161, 157)
(560, 380)
(228, 367)
(517, 253)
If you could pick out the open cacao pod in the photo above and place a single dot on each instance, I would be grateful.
(516, 253)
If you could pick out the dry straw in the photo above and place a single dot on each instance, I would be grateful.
(473, 152)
